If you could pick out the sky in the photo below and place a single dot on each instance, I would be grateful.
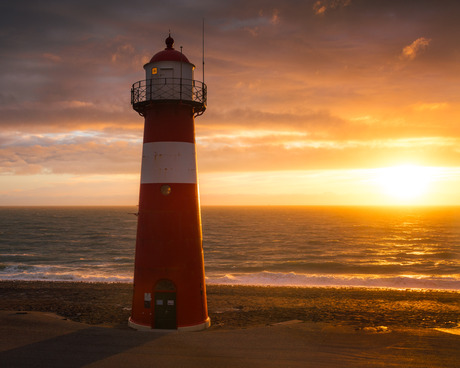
(323, 102)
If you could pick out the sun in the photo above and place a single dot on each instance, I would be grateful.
(405, 182)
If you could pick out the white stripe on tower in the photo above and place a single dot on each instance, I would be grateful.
(168, 162)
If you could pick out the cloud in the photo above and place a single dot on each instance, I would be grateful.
(84, 158)
(265, 155)
(254, 24)
(75, 104)
(71, 115)
(275, 19)
(78, 152)
(124, 55)
(290, 94)
(251, 119)
(320, 7)
(52, 57)
(411, 51)
(434, 106)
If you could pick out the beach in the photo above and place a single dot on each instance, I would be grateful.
(76, 324)
(232, 306)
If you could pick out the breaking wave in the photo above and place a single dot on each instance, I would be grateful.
(301, 280)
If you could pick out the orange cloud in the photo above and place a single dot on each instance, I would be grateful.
(411, 51)
(75, 104)
(275, 17)
(430, 106)
(321, 6)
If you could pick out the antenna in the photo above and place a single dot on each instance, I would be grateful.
(181, 56)
(203, 51)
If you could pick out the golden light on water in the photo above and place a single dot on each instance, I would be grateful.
(405, 182)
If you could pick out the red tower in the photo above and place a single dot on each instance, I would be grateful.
(169, 282)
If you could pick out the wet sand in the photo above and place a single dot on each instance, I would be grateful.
(239, 307)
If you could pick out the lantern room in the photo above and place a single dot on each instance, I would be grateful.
(169, 76)
(169, 63)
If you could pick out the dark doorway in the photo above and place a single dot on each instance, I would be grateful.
(165, 305)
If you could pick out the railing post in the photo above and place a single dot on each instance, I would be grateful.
(150, 94)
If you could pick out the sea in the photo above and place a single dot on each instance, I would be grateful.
(383, 247)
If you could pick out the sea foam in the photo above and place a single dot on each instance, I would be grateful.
(300, 280)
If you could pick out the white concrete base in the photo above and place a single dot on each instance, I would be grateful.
(200, 327)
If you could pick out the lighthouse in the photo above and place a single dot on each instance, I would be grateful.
(169, 282)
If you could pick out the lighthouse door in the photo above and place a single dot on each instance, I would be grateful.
(165, 310)
(165, 305)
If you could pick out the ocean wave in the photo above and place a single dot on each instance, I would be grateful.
(56, 273)
(266, 278)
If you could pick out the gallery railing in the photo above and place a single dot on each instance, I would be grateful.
(169, 89)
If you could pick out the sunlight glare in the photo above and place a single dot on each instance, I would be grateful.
(405, 182)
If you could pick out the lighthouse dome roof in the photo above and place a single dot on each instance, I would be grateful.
(169, 53)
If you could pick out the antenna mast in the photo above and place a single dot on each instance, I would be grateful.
(203, 50)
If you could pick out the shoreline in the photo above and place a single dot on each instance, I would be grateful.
(255, 285)
(261, 285)
(243, 306)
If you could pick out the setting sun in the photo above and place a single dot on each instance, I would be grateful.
(405, 182)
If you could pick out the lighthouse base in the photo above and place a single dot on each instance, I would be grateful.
(198, 327)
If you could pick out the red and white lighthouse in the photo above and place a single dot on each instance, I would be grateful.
(169, 281)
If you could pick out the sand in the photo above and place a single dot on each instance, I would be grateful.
(68, 324)
(236, 307)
